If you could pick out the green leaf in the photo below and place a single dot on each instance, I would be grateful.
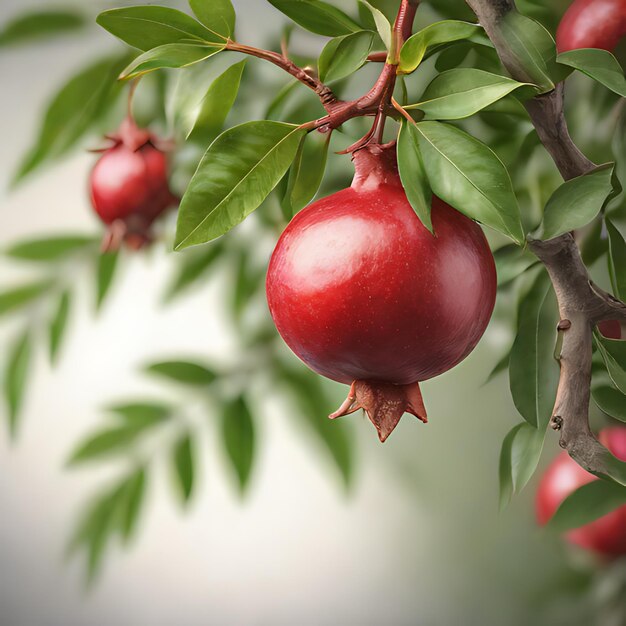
(141, 415)
(247, 282)
(306, 173)
(598, 64)
(468, 175)
(519, 457)
(172, 55)
(131, 500)
(383, 26)
(58, 325)
(412, 173)
(75, 108)
(217, 15)
(459, 93)
(239, 439)
(610, 400)
(511, 262)
(107, 442)
(105, 272)
(613, 352)
(317, 16)
(501, 366)
(577, 202)
(533, 372)
(446, 31)
(40, 25)
(195, 265)
(343, 56)
(147, 27)
(183, 465)
(15, 376)
(183, 372)
(617, 260)
(18, 298)
(587, 504)
(212, 111)
(238, 171)
(49, 249)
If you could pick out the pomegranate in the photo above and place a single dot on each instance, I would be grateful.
(365, 295)
(606, 535)
(612, 329)
(129, 186)
(592, 24)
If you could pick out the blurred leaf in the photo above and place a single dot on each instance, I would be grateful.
(511, 262)
(49, 249)
(183, 372)
(598, 64)
(147, 27)
(247, 282)
(171, 55)
(446, 31)
(40, 25)
(58, 324)
(216, 104)
(383, 26)
(141, 414)
(238, 171)
(314, 408)
(613, 352)
(183, 465)
(577, 202)
(15, 376)
(107, 264)
(73, 111)
(468, 175)
(343, 56)
(587, 504)
(105, 443)
(273, 109)
(594, 244)
(194, 266)
(533, 372)
(459, 93)
(617, 260)
(610, 400)
(412, 174)
(134, 490)
(501, 366)
(238, 435)
(217, 15)
(519, 457)
(306, 173)
(317, 16)
(17, 298)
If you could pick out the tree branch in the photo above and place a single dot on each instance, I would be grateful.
(581, 303)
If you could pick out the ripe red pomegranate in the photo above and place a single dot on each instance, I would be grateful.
(592, 24)
(612, 329)
(129, 186)
(606, 535)
(365, 295)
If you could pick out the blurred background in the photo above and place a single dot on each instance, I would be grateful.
(402, 533)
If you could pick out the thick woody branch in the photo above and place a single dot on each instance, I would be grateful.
(581, 303)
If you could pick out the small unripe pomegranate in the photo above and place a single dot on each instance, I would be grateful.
(592, 24)
(612, 329)
(129, 186)
(365, 295)
(606, 535)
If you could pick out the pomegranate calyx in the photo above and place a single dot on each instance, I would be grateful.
(375, 165)
(384, 403)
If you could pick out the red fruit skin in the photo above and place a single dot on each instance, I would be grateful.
(611, 329)
(127, 182)
(606, 535)
(592, 24)
(360, 290)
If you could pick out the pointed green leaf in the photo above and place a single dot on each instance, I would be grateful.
(617, 260)
(15, 299)
(107, 264)
(598, 64)
(383, 26)
(343, 56)
(412, 173)
(131, 502)
(613, 352)
(238, 435)
(40, 25)
(511, 262)
(195, 266)
(217, 15)
(533, 372)
(468, 175)
(15, 376)
(183, 463)
(459, 93)
(58, 325)
(141, 414)
(577, 202)
(610, 400)
(105, 443)
(317, 16)
(183, 372)
(238, 171)
(48, 249)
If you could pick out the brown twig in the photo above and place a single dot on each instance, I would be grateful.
(581, 303)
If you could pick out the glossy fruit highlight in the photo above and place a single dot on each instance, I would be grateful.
(365, 295)
(606, 535)
(592, 24)
(129, 186)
